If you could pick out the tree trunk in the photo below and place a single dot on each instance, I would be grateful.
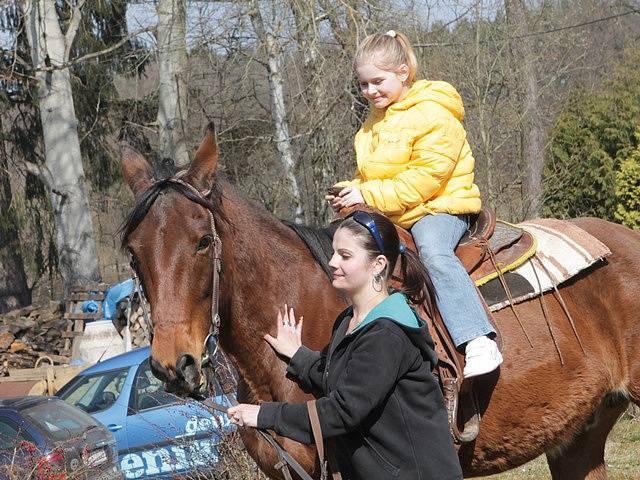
(14, 291)
(50, 48)
(172, 94)
(278, 111)
(526, 79)
(312, 158)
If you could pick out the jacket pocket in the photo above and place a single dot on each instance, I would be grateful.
(389, 467)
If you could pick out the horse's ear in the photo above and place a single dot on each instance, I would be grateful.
(201, 173)
(135, 169)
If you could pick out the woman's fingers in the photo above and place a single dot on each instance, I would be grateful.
(299, 327)
(235, 415)
(270, 340)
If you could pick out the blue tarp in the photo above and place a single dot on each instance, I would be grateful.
(113, 295)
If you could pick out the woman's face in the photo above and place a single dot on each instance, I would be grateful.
(382, 87)
(352, 268)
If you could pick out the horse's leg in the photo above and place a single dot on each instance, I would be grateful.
(582, 458)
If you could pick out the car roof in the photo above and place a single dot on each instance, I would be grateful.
(127, 359)
(20, 403)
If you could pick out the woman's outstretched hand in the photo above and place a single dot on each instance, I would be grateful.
(289, 334)
(244, 415)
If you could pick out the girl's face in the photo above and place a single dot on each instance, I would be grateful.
(382, 87)
(353, 270)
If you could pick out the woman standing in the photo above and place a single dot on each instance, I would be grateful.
(380, 408)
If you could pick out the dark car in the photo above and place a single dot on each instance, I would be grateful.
(44, 438)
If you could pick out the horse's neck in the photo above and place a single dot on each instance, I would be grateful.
(265, 265)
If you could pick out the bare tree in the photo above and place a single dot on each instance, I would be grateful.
(63, 172)
(172, 93)
(533, 134)
(278, 110)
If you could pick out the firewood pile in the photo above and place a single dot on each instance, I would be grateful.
(29, 333)
(137, 324)
(32, 332)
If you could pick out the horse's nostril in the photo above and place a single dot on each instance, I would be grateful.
(160, 372)
(187, 369)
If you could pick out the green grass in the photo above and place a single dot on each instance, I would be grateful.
(622, 454)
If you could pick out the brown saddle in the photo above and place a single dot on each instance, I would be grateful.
(487, 248)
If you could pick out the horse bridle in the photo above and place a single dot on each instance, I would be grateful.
(211, 342)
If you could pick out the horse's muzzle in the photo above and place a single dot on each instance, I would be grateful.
(185, 380)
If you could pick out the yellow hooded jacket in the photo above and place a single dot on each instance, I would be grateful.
(414, 159)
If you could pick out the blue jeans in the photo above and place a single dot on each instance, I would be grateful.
(436, 236)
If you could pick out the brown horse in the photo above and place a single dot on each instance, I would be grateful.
(535, 405)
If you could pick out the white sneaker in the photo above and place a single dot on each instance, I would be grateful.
(482, 356)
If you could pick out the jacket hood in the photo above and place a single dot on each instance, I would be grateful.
(442, 93)
(396, 308)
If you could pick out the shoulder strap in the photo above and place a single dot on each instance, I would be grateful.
(319, 441)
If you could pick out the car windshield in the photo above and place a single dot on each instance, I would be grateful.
(97, 392)
(59, 420)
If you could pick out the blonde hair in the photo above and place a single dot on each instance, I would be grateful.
(387, 51)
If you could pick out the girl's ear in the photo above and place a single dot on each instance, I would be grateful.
(403, 72)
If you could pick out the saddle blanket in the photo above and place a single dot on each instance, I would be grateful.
(562, 251)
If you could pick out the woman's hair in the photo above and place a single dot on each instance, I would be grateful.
(387, 51)
(416, 283)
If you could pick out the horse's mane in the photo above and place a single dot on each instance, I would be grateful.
(318, 241)
(145, 200)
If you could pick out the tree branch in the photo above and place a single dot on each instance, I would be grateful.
(74, 23)
(92, 55)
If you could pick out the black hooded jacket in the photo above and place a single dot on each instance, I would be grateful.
(381, 409)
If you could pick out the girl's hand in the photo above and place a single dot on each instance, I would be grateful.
(289, 334)
(333, 193)
(244, 415)
(348, 197)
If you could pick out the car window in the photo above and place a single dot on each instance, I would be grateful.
(59, 420)
(97, 392)
(149, 392)
(11, 435)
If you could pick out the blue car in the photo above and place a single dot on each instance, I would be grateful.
(158, 434)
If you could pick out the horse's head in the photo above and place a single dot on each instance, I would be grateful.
(170, 236)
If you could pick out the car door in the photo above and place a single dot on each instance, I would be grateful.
(105, 396)
(166, 434)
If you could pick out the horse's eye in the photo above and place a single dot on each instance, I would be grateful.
(204, 242)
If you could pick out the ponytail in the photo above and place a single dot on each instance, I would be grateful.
(416, 282)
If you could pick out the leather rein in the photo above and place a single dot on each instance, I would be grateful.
(211, 342)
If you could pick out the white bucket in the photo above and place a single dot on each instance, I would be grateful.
(99, 341)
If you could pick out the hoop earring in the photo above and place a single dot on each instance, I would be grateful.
(377, 282)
